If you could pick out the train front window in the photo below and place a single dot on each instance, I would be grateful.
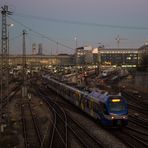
(117, 106)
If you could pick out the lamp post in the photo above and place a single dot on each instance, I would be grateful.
(8, 26)
(76, 59)
(76, 42)
(100, 46)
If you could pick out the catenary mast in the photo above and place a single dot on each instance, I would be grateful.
(4, 61)
(24, 88)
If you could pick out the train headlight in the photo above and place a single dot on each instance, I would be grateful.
(112, 117)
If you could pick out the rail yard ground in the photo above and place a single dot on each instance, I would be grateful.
(14, 136)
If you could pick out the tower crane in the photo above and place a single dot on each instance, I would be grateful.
(118, 39)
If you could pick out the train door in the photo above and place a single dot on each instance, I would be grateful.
(64, 91)
(91, 103)
(96, 110)
(102, 110)
(82, 102)
(77, 98)
(72, 95)
(58, 88)
(86, 104)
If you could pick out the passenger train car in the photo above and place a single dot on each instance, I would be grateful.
(110, 110)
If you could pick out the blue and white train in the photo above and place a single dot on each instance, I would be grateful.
(110, 110)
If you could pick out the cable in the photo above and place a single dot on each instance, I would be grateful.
(40, 34)
(17, 36)
(80, 23)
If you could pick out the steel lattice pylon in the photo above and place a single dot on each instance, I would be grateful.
(4, 55)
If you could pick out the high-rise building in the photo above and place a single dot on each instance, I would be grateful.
(84, 55)
(40, 49)
(34, 48)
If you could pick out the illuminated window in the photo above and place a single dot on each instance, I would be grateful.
(128, 58)
(135, 58)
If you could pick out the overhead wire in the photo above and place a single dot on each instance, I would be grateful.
(40, 34)
(69, 22)
(15, 37)
(80, 23)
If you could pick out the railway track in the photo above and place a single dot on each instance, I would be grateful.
(141, 123)
(137, 135)
(82, 134)
(65, 127)
(58, 134)
(130, 137)
(4, 113)
(136, 100)
(31, 131)
(10, 95)
(137, 108)
(140, 134)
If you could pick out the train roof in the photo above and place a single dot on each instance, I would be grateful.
(68, 86)
(101, 95)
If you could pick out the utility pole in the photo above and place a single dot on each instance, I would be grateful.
(4, 63)
(57, 50)
(76, 42)
(24, 87)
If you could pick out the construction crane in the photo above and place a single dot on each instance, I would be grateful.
(118, 39)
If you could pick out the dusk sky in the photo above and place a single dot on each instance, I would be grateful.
(90, 21)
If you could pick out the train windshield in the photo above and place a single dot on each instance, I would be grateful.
(117, 105)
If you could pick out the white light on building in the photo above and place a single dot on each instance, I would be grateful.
(95, 51)
(88, 48)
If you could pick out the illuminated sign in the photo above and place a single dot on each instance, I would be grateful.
(115, 100)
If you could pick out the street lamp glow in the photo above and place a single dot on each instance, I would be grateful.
(10, 25)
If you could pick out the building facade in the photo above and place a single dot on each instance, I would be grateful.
(83, 55)
(36, 60)
(143, 58)
(142, 51)
(103, 56)
(119, 57)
